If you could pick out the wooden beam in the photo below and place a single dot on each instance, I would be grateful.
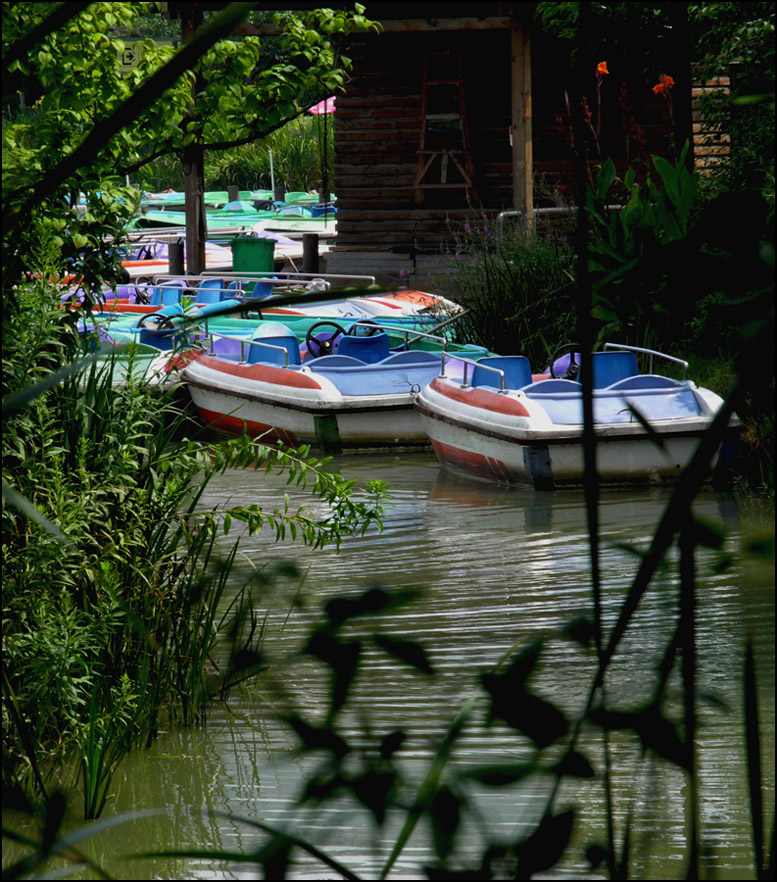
(194, 167)
(520, 75)
(411, 25)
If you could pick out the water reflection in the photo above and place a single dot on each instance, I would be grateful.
(493, 566)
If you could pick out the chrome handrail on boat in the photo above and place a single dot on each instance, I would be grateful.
(368, 280)
(469, 361)
(242, 341)
(368, 323)
(651, 353)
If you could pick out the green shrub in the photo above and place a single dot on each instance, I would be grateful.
(518, 290)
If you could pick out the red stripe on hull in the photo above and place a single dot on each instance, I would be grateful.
(474, 463)
(276, 375)
(480, 398)
(235, 426)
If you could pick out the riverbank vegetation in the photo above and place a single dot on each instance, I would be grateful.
(113, 577)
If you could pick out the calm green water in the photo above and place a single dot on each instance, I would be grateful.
(494, 566)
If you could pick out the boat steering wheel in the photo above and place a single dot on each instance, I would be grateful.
(318, 347)
(162, 321)
(358, 328)
(574, 368)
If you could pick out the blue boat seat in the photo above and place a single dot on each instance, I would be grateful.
(410, 356)
(646, 381)
(258, 290)
(609, 367)
(517, 371)
(168, 293)
(368, 349)
(558, 386)
(263, 354)
(209, 291)
(335, 361)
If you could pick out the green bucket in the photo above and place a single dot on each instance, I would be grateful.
(252, 255)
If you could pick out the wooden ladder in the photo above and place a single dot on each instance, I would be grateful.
(444, 158)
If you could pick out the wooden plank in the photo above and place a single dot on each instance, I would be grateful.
(416, 25)
(521, 100)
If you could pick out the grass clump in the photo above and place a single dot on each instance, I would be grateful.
(518, 290)
(113, 578)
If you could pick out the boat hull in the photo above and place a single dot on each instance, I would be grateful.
(299, 407)
(506, 439)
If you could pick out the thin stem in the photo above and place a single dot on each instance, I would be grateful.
(687, 634)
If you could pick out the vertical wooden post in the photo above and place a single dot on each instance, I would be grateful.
(194, 170)
(196, 230)
(175, 257)
(520, 75)
(310, 252)
(233, 193)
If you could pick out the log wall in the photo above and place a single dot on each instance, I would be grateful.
(378, 127)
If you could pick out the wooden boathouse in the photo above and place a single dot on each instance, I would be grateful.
(459, 112)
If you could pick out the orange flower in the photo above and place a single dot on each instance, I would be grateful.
(664, 86)
(601, 68)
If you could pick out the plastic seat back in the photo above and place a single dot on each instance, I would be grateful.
(167, 293)
(258, 290)
(209, 291)
(517, 371)
(266, 355)
(278, 335)
(610, 367)
(367, 349)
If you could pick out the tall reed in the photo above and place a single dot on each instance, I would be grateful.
(298, 150)
(113, 578)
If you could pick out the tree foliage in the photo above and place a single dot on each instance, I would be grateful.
(92, 122)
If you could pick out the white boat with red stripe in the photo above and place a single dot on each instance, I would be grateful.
(498, 423)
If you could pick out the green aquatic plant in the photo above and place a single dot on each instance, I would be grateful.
(113, 576)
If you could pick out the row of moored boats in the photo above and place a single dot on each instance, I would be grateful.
(384, 370)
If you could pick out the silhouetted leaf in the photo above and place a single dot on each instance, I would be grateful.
(391, 743)
(596, 855)
(574, 765)
(445, 814)
(762, 547)
(544, 848)
(343, 658)
(704, 533)
(538, 719)
(55, 814)
(443, 874)
(244, 659)
(274, 857)
(320, 789)
(375, 600)
(505, 688)
(655, 732)
(319, 738)
(500, 775)
(581, 630)
(405, 651)
(373, 790)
